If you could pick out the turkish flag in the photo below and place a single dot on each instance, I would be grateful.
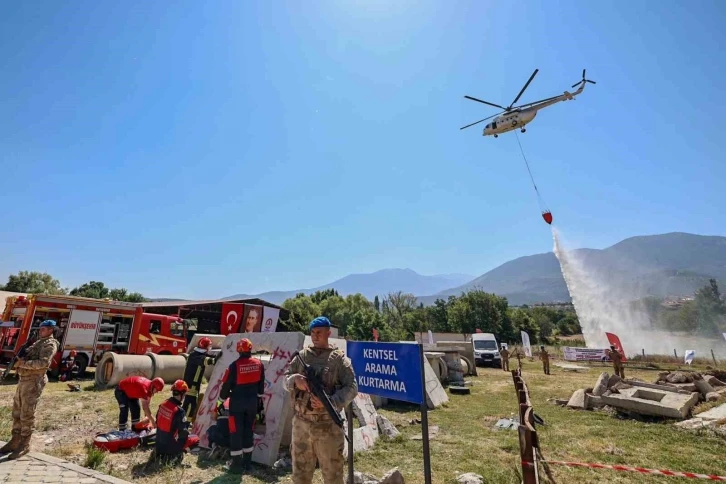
(375, 334)
(615, 341)
(231, 317)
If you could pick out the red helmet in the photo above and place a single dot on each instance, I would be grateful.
(157, 384)
(244, 346)
(73, 353)
(180, 386)
(204, 343)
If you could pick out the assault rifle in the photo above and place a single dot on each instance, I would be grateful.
(20, 354)
(315, 383)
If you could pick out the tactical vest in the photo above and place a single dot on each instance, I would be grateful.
(327, 370)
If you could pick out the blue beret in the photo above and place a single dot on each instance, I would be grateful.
(320, 322)
(47, 322)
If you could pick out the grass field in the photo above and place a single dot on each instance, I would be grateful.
(466, 441)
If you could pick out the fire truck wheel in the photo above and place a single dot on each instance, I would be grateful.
(82, 364)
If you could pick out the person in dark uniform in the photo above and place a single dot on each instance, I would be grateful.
(172, 428)
(193, 374)
(244, 384)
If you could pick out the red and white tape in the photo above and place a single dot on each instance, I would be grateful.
(641, 470)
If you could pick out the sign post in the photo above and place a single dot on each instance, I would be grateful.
(395, 371)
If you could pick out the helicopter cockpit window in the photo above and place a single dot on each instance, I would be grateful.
(494, 125)
(487, 126)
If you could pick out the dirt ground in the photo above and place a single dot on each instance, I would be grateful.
(467, 440)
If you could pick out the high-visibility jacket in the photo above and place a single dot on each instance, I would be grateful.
(243, 383)
(171, 427)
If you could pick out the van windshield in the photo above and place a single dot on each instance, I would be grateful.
(485, 344)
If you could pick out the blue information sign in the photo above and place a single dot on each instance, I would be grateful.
(391, 370)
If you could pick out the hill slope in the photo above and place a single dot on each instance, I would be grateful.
(377, 283)
(659, 265)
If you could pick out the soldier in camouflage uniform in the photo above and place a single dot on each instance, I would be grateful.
(31, 369)
(504, 353)
(545, 357)
(315, 437)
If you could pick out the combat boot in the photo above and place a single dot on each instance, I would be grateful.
(237, 466)
(13, 444)
(247, 461)
(22, 449)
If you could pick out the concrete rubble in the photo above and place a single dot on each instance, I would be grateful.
(386, 428)
(709, 418)
(673, 395)
(469, 478)
(393, 476)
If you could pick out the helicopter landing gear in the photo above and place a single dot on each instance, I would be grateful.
(496, 136)
(523, 130)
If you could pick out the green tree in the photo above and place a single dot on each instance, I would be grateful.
(94, 289)
(477, 309)
(33, 283)
(98, 290)
(568, 325)
(364, 322)
(319, 296)
(302, 311)
(711, 309)
(523, 321)
(395, 307)
(438, 315)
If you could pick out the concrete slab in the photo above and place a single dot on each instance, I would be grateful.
(571, 367)
(365, 436)
(435, 393)
(281, 346)
(650, 401)
(716, 413)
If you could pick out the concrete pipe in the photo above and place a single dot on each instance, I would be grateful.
(443, 369)
(169, 368)
(465, 364)
(113, 367)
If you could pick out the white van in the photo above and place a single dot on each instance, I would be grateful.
(486, 349)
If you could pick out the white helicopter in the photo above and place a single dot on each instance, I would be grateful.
(520, 116)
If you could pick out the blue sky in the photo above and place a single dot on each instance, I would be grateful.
(212, 148)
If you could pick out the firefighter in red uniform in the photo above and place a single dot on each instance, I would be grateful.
(244, 384)
(172, 428)
(69, 367)
(128, 393)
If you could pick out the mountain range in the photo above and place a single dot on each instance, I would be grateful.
(378, 283)
(671, 264)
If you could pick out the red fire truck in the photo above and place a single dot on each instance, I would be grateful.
(89, 326)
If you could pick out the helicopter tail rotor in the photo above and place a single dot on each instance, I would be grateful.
(583, 80)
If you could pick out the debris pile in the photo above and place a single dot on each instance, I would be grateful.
(673, 394)
(708, 386)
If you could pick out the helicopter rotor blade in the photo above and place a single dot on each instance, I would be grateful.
(485, 102)
(523, 89)
(577, 83)
(537, 102)
(472, 124)
(591, 82)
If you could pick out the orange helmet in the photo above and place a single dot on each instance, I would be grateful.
(157, 384)
(180, 386)
(204, 343)
(73, 353)
(244, 346)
